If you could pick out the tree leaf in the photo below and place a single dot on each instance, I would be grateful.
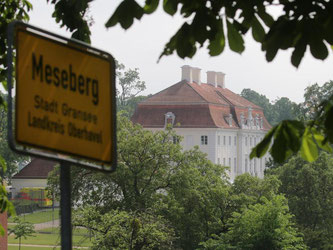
(318, 48)
(298, 53)
(216, 46)
(236, 42)
(258, 31)
(267, 18)
(151, 6)
(3, 164)
(170, 6)
(125, 14)
(309, 150)
(286, 140)
(320, 139)
(261, 149)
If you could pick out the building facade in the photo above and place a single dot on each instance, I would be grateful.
(221, 123)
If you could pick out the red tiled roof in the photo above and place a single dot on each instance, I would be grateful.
(36, 169)
(195, 105)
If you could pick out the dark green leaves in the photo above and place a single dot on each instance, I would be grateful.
(261, 149)
(298, 53)
(285, 138)
(258, 31)
(151, 6)
(170, 6)
(216, 45)
(318, 48)
(236, 42)
(127, 11)
(72, 15)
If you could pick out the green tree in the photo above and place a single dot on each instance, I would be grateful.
(261, 226)
(129, 86)
(248, 190)
(125, 230)
(314, 96)
(22, 229)
(309, 190)
(155, 176)
(276, 111)
(284, 109)
(262, 101)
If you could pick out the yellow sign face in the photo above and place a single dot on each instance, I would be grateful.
(63, 98)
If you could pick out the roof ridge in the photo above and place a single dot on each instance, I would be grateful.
(224, 98)
(198, 93)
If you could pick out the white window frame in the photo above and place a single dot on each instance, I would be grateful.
(204, 140)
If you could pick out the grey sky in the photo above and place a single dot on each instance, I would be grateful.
(141, 45)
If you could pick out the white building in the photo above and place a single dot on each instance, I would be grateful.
(223, 124)
(32, 175)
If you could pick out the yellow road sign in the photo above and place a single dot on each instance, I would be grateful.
(64, 97)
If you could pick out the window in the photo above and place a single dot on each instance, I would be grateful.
(246, 168)
(235, 141)
(229, 140)
(235, 165)
(255, 141)
(260, 165)
(250, 166)
(250, 141)
(169, 119)
(175, 139)
(204, 140)
(224, 140)
(245, 141)
(218, 140)
(218, 161)
(255, 165)
(229, 162)
(223, 161)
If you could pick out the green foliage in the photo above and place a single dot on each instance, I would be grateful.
(275, 112)
(204, 25)
(309, 190)
(125, 230)
(314, 96)
(180, 190)
(249, 190)
(289, 30)
(73, 16)
(291, 136)
(260, 226)
(9, 10)
(22, 229)
(129, 86)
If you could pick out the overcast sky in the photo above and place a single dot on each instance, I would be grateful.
(141, 45)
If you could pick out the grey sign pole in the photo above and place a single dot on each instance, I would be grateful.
(65, 206)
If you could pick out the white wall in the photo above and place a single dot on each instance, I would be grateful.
(225, 146)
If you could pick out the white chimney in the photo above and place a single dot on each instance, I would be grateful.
(196, 75)
(187, 73)
(220, 79)
(212, 78)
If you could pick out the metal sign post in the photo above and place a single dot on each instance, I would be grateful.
(65, 106)
(65, 206)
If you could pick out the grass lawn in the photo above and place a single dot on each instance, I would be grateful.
(31, 248)
(53, 238)
(38, 217)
